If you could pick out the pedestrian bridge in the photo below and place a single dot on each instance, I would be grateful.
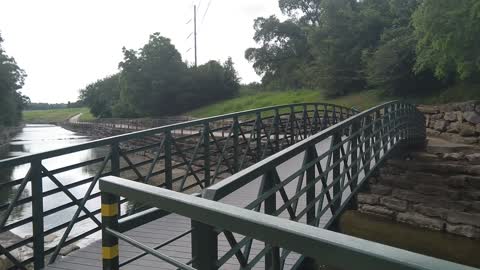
(258, 189)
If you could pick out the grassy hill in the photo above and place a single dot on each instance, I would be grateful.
(56, 115)
(251, 99)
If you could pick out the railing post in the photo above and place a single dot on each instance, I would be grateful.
(292, 128)
(272, 257)
(37, 215)
(305, 119)
(168, 159)
(236, 152)
(258, 136)
(206, 153)
(353, 204)
(310, 178)
(337, 189)
(316, 118)
(110, 204)
(115, 159)
(276, 126)
(204, 246)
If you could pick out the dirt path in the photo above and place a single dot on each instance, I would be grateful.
(75, 118)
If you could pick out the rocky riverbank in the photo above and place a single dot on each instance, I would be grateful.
(456, 122)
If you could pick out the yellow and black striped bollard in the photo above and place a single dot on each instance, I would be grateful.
(109, 241)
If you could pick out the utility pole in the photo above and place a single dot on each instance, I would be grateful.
(195, 31)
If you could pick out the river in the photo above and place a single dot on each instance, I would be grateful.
(39, 138)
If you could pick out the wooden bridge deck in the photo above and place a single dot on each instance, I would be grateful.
(161, 230)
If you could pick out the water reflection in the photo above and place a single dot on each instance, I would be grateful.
(40, 138)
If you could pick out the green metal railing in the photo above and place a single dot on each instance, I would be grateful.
(185, 157)
(302, 192)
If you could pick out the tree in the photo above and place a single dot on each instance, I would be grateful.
(306, 12)
(12, 101)
(448, 38)
(283, 49)
(102, 95)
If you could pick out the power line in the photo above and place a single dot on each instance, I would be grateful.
(206, 10)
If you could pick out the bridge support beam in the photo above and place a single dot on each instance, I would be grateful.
(204, 246)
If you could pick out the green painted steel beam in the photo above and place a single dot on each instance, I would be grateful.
(327, 247)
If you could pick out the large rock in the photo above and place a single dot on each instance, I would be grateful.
(409, 196)
(394, 204)
(464, 230)
(437, 116)
(377, 210)
(463, 218)
(475, 157)
(427, 109)
(421, 220)
(454, 127)
(380, 189)
(450, 116)
(368, 198)
(459, 139)
(457, 181)
(466, 130)
(431, 211)
(437, 191)
(441, 125)
(453, 156)
(399, 181)
(472, 117)
(474, 181)
(432, 132)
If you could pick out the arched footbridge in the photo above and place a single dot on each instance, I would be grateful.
(258, 189)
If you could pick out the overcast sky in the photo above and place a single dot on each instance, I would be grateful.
(65, 45)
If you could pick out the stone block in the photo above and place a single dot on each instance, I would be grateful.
(472, 117)
(459, 139)
(453, 156)
(437, 116)
(377, 210)
(473, 157)
(464, 230)
(457, 181)
(453, 127)
(421, 220)
(440, 125)
(463, 218)
(474, 181)
(472, 195)
(394, 204)
(368, 198)
(432, 132)
(450, 116)
(409, 196)
(476, 207)
(436, 202)
(425, 178)
(467, 106)
(399, 181)
(381, 189)
(427, 109)
(466, 130)
(437, 191)
(431, 211)
(459, 116)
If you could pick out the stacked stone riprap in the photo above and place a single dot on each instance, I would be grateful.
(456, 122)
(427, 191)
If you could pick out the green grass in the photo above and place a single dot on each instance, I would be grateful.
(54, 116)
(251, 100)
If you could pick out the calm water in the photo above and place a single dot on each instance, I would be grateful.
(40, 138)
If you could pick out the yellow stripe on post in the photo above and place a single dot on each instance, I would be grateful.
(109, 210)
(109, 253)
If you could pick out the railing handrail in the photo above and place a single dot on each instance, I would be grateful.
(231, 183)
(115, 139)
(330, 248)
